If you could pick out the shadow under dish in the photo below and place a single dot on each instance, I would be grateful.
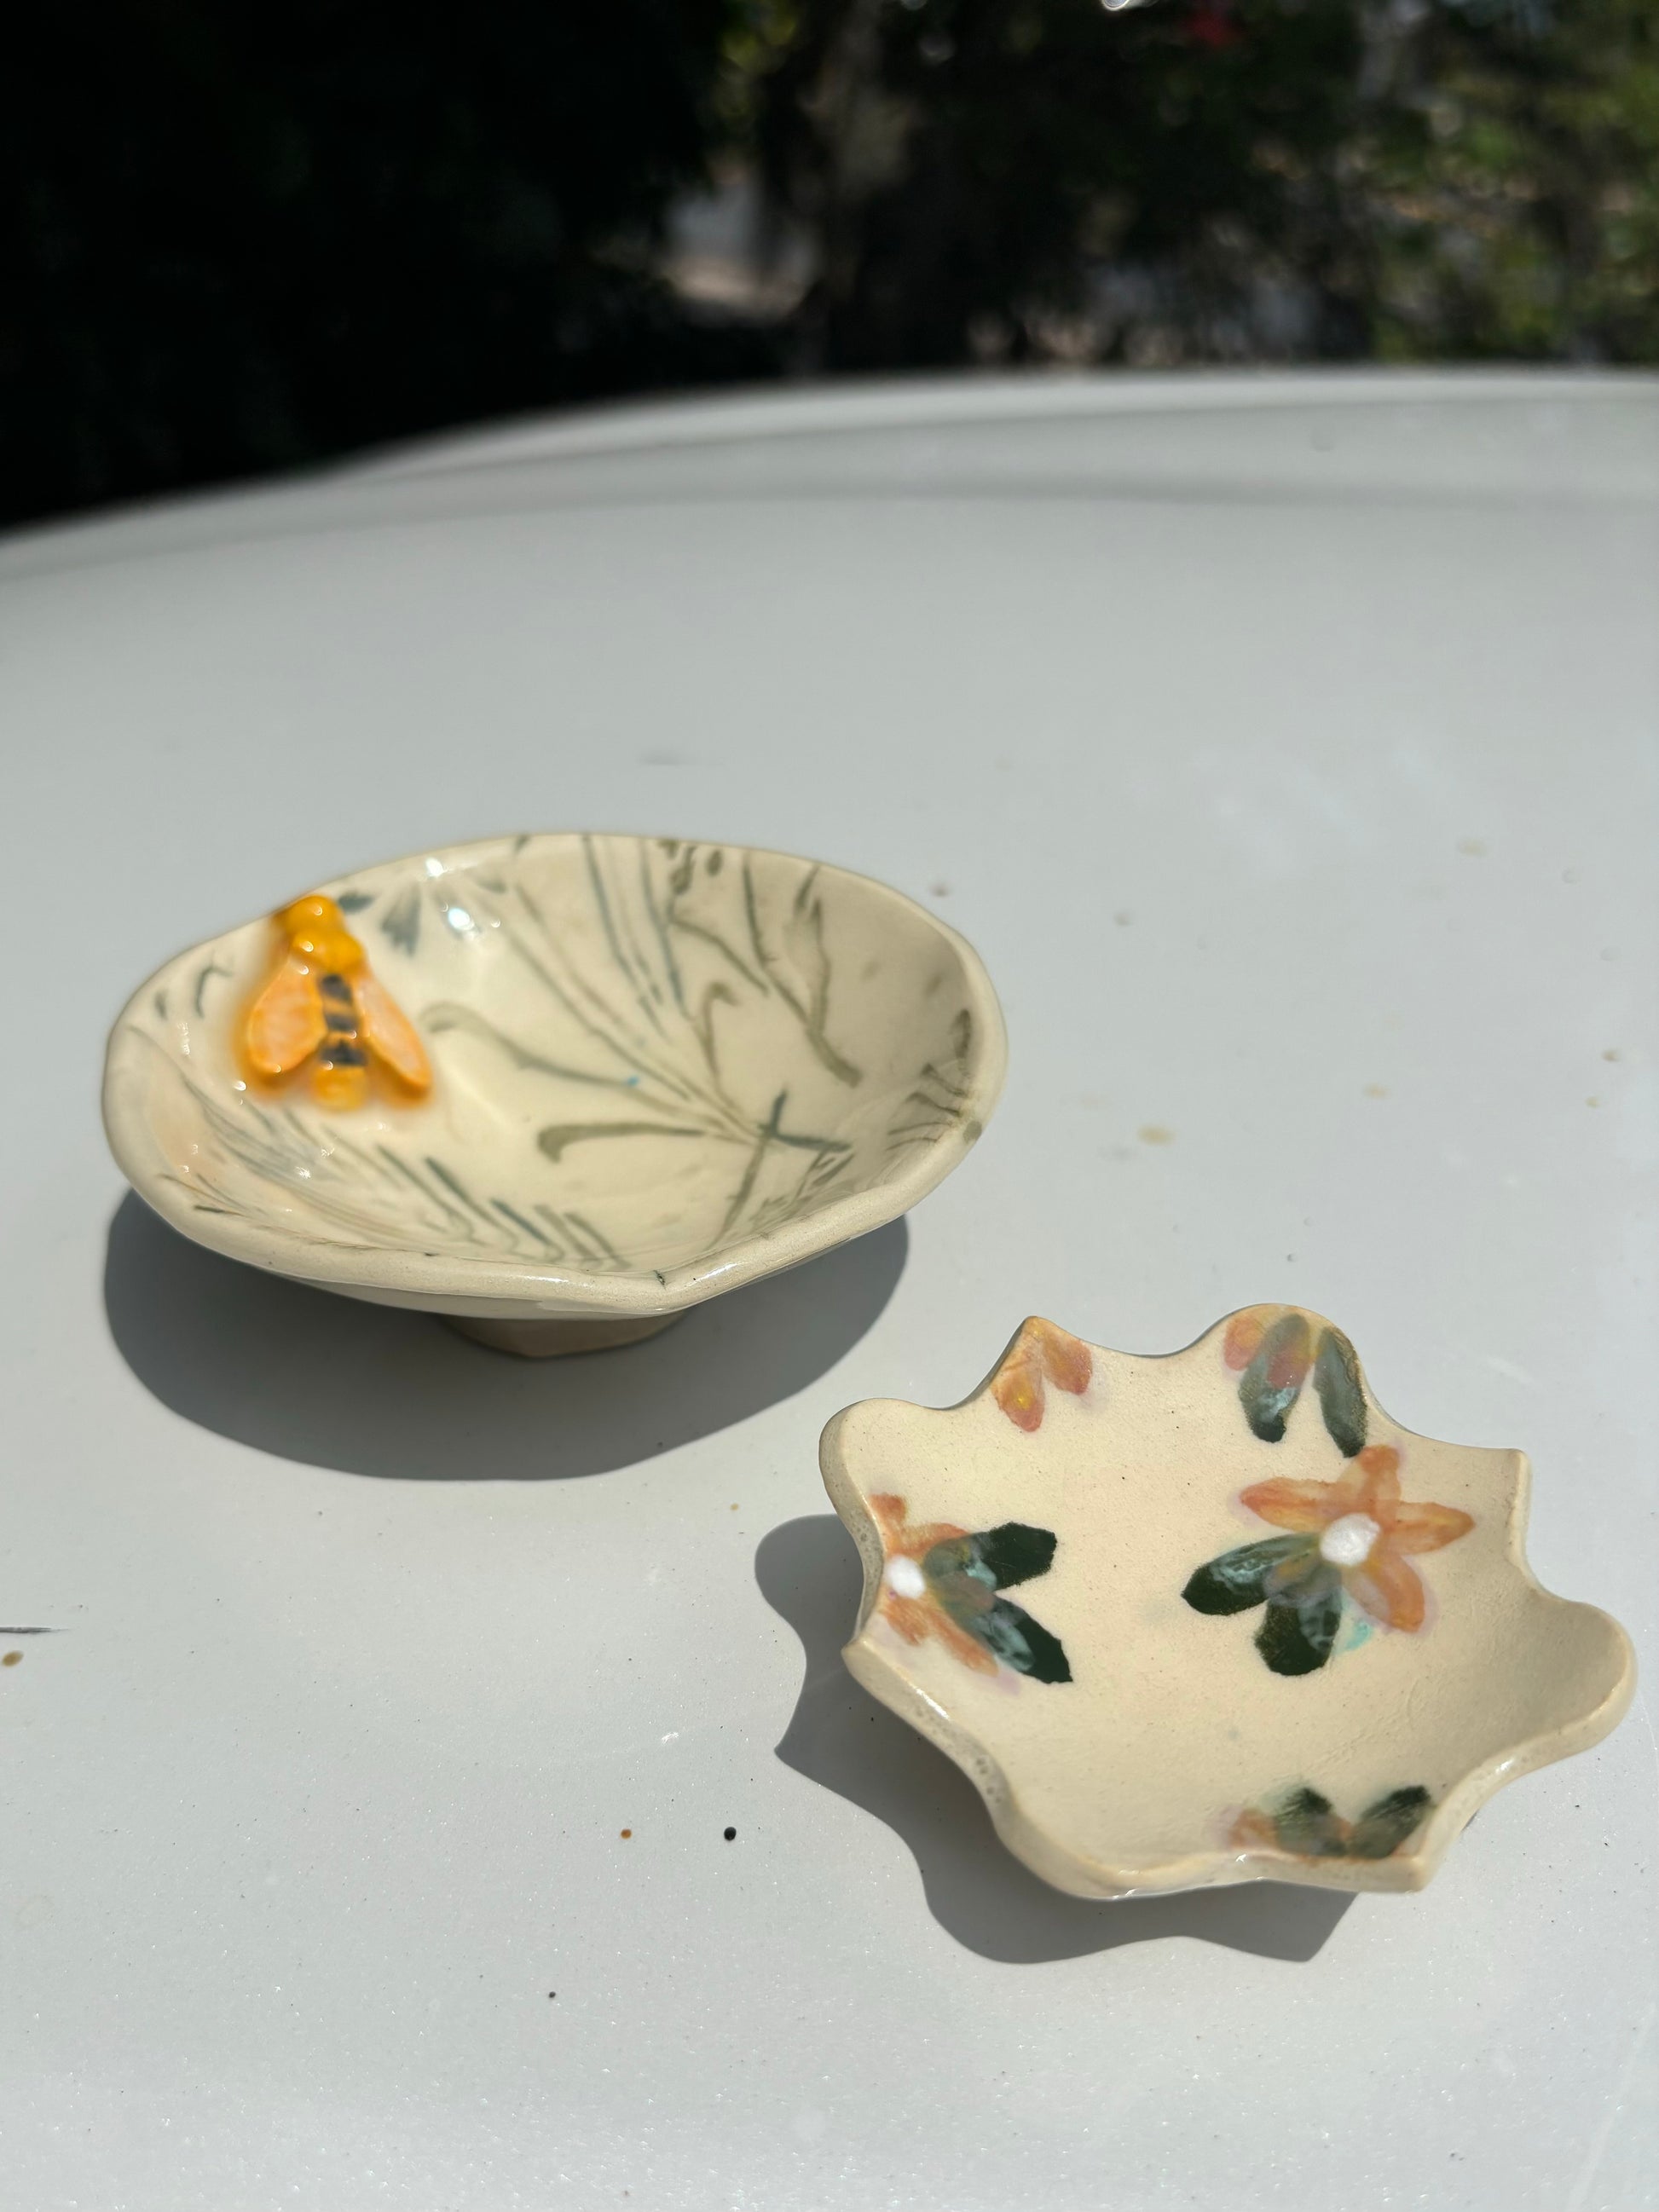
(374, 1390)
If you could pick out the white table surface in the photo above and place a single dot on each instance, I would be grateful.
(1287, 749)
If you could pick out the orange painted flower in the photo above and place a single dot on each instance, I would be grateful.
(1040, 1354)
(1354, 1536)
(939, 1580)
(1365, 1531)
(908, 1603)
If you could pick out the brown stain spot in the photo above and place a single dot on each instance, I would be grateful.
(1123, 919)
(1592, 1101)
(12, 1659)
(1613, 1053)
(940, 891)
(1154, 1133)
(1376, 1091)
(626, 1833)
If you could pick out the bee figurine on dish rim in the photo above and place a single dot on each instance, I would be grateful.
(325, 1004)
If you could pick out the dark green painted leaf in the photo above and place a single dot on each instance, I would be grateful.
(955, 1557)
(355, 902)
(1382, 1827)
(961, 1582)
(1305, 1823)
(1021, 1643)
(962, 1585)
(1342, 1402)
(1015, 1553)
(1296, 1639)
(1273, 1382)
(1301, 1578)
(1234, 1582)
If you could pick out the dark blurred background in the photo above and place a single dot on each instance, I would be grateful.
(253, 238)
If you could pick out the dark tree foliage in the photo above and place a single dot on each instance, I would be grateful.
(1512, 170)
(967, 164)
(238, 238)
(234, 237)
(1214, 180)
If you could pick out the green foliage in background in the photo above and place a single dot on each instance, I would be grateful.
(1211, 180)
(1510, 175)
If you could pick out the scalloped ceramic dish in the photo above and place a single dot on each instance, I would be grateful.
(659, 1070)
(1211, 1616)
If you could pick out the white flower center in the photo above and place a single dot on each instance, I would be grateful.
(904, 1577)
(1347, 1542)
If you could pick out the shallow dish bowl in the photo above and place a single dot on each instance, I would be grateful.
(1212, 1617)
(660, 1069)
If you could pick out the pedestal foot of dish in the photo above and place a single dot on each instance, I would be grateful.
(554, 1340)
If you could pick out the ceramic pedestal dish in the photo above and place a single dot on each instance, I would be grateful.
(653, 1070)
(1255, 1628)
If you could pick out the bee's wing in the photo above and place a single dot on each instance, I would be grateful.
(285, 1022)
(390, 1033)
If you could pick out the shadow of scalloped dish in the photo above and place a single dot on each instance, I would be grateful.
(1211, 1616)
(556, 1088)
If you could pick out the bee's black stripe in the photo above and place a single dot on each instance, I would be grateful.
(339, 1048)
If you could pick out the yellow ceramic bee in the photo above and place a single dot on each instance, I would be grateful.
(325, 1004)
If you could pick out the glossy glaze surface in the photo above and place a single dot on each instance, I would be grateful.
(659, 1069)
(1127, 1738)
